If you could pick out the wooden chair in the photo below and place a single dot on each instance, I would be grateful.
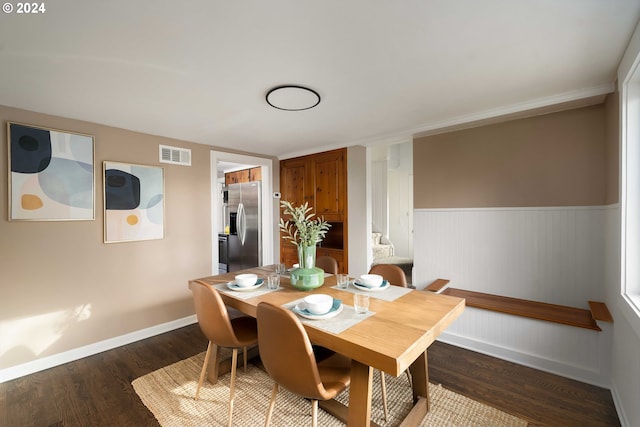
(395, 276)
(287, 355)
(219, 329)
(328, 264)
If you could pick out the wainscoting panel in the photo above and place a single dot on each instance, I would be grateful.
(554, 255)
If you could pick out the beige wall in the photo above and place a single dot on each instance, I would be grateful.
(63, 288)
(612, 153)
(555, 159)
(359, 231)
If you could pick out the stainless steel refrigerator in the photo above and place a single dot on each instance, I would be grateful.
(245, 231)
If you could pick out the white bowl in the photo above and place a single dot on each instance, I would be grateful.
(246, 280)
(371, 280)
(318, 303)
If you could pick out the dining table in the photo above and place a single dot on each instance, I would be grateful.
(392, 336)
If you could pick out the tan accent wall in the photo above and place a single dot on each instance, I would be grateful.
(556, 159)
(62, 288)
(612, 144)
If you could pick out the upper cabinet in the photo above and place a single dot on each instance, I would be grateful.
(330, 185)
(244, 175)
(319, 179)
(255, 174)
(295, 181)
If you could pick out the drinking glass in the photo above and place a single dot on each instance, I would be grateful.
(343, 281)
(273, 281)
(280, 268)
(361, 303)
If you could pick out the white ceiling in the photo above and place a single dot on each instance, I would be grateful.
(199, 70)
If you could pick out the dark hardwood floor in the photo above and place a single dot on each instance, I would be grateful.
(538, 397)
(97, 391)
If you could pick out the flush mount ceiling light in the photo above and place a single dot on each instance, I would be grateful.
(292, 98)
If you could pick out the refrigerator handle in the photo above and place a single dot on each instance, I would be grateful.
(241, 224)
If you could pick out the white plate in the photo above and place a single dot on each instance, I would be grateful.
(301, 311)
(234, 287)
(385, 285)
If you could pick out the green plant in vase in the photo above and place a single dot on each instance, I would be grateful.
(304, 230)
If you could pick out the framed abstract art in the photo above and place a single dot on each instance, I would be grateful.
(133, 202)
(51, 174)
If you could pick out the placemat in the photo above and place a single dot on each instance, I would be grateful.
(339, 323)
(392, 293)
(246, 294)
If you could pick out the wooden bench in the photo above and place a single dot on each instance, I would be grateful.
(565, 315)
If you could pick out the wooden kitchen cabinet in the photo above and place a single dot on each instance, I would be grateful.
(288, 253)
(255, 174)
(236, 177)
(329, 185)
(337, 254)
(295, 181)
(321, 180)
(230, 178)
(244, 175)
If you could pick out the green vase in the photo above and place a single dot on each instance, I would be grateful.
(307, 276)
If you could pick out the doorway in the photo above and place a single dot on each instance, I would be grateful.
(391, 205)
(222, 162)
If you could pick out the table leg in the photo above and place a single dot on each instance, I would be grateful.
(360, 395)
(358, 413)
(420, 380)
(420, 375)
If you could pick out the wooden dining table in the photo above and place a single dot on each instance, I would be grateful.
(393, 337)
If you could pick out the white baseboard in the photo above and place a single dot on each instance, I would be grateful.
(624, 421)
(521, 358)
(91, 349)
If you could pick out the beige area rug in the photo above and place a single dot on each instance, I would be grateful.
(168, 393)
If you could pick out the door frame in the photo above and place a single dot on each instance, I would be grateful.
(266, 166)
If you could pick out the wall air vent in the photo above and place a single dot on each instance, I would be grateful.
(174, 155)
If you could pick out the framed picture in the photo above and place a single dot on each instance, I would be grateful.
(133, 202)
(51, 174)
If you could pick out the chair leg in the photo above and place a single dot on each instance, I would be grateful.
(409, 378)
(383, 388)
(244, 352)
(234, 366)
(272, 403)
(204, 370)
(314, 413)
